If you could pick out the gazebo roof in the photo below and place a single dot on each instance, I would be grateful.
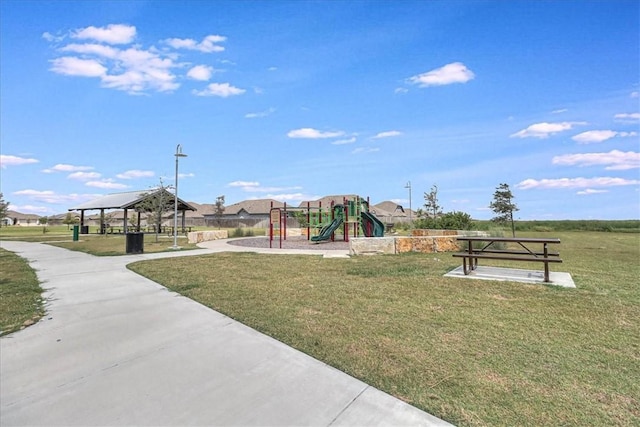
(127, 200)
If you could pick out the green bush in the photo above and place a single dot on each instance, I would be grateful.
(455, 220)
(238, 232)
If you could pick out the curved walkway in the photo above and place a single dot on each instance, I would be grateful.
(118, 349)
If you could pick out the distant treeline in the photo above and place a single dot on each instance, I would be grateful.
(620, 226)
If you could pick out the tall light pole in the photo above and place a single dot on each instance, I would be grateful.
(175, 201)
(410, 219)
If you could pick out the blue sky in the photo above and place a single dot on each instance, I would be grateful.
(295, 100)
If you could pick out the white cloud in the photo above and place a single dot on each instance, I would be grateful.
(133, 174)
(51, 38)
(344, 141)
(243, 184)
(387, 134)
(220, 89)
(590, 191)
(207, 45)
(613, 160)
(310, 133)
(634, 94)
(48, 196)
(106, 183)
(568, 183)
(452, 73)
(92, 49)
(34, 193)
(84, 176)
(132, 70)
(111, 34)
(592, 136)
(272, 69)
(61, 167)
(30, 209)
(200, 72)
(627, 117)
(260, 114)
(544, 130)
(560, 111)
(6, 160)
(363, 150)
(186, 175)
(400, 90)
(72, 66)
(255, 187)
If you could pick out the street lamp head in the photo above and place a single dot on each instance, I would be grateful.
(179, 151)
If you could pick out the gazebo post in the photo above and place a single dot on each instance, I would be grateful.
(125, 221)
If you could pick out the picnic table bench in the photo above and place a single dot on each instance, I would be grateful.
(470, 255)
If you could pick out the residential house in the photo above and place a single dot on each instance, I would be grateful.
(20, 219)
(248, 213)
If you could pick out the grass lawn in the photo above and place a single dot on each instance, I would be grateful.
(108, 245)
(20, 293)
(95, 244)
(471, 352)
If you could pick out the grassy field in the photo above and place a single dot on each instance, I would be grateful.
(95, 244)
(20, 293)
(470, 352)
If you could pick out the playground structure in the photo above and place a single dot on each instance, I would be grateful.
(351, 217)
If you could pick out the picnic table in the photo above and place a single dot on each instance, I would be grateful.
(522, 252)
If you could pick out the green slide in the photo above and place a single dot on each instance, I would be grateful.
(371, 226)
(327, 230)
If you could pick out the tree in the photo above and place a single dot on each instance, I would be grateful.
(69, 219)
(4, 207)
(219, 210)
(431, 205)
(155, 205)
(503, 206)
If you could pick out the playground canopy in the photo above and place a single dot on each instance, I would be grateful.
(129, 200)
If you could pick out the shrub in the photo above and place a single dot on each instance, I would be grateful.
(456, 221)
(237, 232)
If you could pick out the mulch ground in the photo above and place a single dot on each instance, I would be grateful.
(290, 243)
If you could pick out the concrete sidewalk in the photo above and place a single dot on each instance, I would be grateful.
(118, 349)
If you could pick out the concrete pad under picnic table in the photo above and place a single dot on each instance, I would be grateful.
(514, 275)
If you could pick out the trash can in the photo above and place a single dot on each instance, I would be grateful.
(135, 243)
(76, 231)
(84, 229)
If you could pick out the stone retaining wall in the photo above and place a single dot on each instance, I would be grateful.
(423, 241)
(204, 236)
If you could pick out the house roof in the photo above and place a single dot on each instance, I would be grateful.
(19, 215)
(393, 209)
(326, 200)
(258, 206)
(201, 210)
(126, 200)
